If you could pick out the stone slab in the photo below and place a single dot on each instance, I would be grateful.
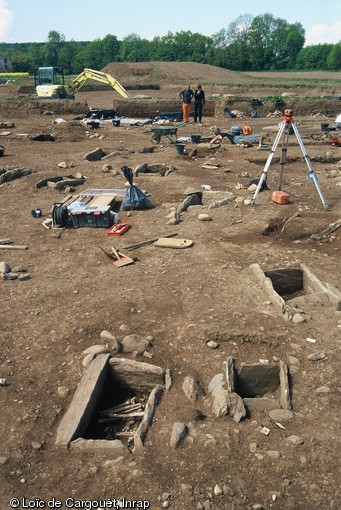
(78, 415)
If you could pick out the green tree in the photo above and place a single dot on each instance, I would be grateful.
(134, 49)
(110, 48)
(67, 57)
(237, 30)
(313, 57)
(273, 42)
(334, 58)
(55, 42)
(35, 56)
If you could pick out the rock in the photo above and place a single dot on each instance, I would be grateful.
(138, 375)
(317, 356)
(322, 389)
(10, 276)
(87, 360)
(63, 391)
(218, 491)
(296, 440)
(168, 379)
(131, 343)
(292, 360)
(274, 454)
(173, 221)
(219, 394)
(5, 268)
(298, 318)
(204, 217)
(115, 343)
(113, 462)
(178, 434)
(95, 350)
(36, 446)
(19, 269)
(191, 389)
(186, 487)
(281, 415)
(24, 277)
(212, 344)
(115, 447)
(95, 155)
(193, 199)
(236, 407)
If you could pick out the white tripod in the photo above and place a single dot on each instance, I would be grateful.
(284, 130)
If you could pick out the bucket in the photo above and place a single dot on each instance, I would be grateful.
(179, 147)
(196, 138)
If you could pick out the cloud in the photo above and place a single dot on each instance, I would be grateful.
(320, 34)
(6, 17)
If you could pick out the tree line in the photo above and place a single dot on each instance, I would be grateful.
(248, 44)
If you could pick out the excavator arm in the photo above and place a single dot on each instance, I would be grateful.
(90, 74)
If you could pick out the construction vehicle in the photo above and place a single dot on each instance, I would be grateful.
(49, 83)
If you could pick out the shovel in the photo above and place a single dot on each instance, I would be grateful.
(122, 260)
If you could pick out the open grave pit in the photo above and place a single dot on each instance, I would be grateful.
(262, 386)
(113, 406)
(289, 289)
(243, 389)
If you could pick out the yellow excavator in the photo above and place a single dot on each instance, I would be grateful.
(49, 83)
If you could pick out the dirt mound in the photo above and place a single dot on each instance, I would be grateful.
(179, 73)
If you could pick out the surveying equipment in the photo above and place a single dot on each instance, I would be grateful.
(287, 127)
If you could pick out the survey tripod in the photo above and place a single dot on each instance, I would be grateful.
(286, 127)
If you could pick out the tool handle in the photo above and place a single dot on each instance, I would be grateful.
(115, 253)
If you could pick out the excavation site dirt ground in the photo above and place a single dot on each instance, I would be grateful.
(193, 309)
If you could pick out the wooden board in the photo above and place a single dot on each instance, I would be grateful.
(164, 242)
(102, 201)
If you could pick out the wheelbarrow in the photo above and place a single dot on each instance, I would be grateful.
(167, 131)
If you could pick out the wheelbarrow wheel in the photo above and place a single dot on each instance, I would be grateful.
(156, 139)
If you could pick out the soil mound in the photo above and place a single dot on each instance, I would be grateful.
(179, 73)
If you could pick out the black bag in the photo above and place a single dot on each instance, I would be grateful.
(134, 197)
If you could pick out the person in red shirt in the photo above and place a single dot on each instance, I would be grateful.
(187, 96)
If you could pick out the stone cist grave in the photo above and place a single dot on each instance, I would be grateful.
(290, 288)
(251, 387)
(113, 406)
(262, 386)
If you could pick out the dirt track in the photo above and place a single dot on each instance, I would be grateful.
(180, 298)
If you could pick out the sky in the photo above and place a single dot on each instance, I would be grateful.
(87, 20)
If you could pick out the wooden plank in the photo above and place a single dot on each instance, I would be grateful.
(12, 247)
(102, 201)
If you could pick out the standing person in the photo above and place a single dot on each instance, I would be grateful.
(199, 102)
(187, 95)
